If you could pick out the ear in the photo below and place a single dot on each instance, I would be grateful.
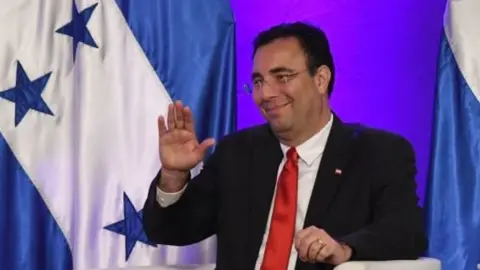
(322, 79)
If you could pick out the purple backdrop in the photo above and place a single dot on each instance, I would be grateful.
(385, 53)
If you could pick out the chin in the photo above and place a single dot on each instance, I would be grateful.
(279, 127)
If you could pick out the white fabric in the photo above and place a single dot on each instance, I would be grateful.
(103, 140)
(420, 264)
(463, 33)
(310, 153)
(166, 199)
(178, 267)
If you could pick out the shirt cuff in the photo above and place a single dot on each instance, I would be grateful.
(165, 199)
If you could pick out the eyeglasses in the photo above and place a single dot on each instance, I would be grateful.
(278, 80)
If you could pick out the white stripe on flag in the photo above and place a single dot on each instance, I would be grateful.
(462, 28)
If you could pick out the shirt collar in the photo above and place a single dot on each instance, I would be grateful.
(312, 148)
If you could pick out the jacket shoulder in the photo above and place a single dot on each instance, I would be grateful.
(377, 140)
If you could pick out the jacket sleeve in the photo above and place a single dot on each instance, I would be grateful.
(397, 230)
(193, 217)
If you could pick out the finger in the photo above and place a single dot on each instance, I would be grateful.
(162, 129)
(188, 116)
(300, 235)
(325, 252)
(179, 121)
(171, 117)
(315, 250)
(304, 245)
(203, 146)
(206, 144)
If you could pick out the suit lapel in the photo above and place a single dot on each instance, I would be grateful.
(335, 156)
(267, 156)
(334, 161)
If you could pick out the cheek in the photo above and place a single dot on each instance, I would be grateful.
(296, 94)
(304, 99)
(256, 98)
(289, 93)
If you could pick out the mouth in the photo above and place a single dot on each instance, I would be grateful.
(275, 108)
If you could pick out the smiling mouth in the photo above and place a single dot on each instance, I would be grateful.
(275, 107)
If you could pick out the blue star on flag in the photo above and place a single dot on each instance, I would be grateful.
(131, 226)
(77, 28)
(27, 94)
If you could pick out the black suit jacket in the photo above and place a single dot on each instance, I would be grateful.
(371, 206)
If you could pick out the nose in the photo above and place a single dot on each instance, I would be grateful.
(267, 91)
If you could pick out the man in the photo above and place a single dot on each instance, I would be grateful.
(304, 191)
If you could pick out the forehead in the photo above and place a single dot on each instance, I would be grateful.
(285, 52)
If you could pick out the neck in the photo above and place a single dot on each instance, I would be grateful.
(294, 138)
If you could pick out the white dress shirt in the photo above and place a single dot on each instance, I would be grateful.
(310, 153)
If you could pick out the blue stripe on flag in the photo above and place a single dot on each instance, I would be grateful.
(191, 46)
(453, 197)
(31, 239)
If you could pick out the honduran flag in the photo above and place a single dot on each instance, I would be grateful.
(82, 83)
(453, 199)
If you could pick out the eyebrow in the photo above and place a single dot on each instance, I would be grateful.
(273, 71)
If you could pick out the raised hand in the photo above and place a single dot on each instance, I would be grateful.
(180, 150)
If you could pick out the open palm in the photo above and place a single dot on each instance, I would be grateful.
(179, 147)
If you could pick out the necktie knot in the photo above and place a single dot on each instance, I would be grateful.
(292, 154)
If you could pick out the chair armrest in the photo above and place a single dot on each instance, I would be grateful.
(172, 267)
(420, 264)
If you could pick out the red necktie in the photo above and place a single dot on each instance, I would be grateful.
(282, 227)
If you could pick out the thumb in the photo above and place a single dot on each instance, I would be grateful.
(202, 147)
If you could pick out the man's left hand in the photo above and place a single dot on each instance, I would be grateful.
(314, 245)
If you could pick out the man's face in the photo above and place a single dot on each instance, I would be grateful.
(285, 92)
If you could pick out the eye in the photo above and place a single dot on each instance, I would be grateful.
(282, 77)
(257, 82)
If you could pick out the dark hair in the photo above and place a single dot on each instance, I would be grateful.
(312, 40)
